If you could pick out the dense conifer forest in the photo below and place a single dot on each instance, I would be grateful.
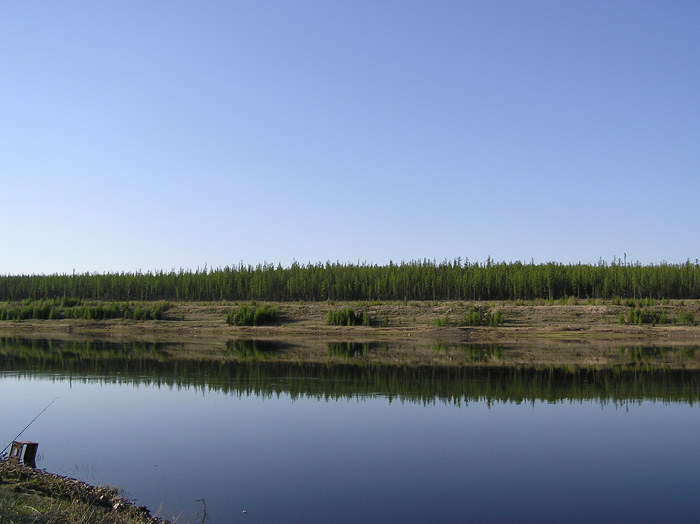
(417, 280)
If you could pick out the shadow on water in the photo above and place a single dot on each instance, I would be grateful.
(255, 372)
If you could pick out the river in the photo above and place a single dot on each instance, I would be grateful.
(266, 442)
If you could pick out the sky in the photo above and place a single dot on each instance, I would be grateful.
(160, 135)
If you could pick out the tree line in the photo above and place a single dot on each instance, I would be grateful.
(416, 280)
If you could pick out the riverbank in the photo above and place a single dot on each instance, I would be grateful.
(34, 496)
(672, 322)
(575, 333)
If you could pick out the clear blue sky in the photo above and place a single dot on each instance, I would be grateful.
(167, 134)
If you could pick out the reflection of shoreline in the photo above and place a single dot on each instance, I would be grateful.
(566, 355)
(252, 368)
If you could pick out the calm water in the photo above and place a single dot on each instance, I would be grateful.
(308, 444)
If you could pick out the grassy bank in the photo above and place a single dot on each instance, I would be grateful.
(29, 496)
(671, 321)
(534, 333)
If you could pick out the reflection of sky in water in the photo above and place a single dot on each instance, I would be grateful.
(364, 460)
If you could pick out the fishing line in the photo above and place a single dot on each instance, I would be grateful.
(25, 427)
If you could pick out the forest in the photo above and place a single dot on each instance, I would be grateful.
(415, 280)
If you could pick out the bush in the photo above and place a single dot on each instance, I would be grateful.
(644, 316)
(474, 317)
(264, 315)
(69, 308)
(495, 319)
(159, 310)
(252, 316)
(482, 316)
(686, 317)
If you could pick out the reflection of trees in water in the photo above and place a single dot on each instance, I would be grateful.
(252, 348)
(649, 354)
(83, 348)
(149, 364)
(472, 352)
(350, 350)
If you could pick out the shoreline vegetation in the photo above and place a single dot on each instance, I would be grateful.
(566, 332)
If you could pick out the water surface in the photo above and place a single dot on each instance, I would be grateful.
(296, 443)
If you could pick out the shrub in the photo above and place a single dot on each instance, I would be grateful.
(347, 317)
(495, 319)
(264, 315)
(473, 317)
(71, 308)
(251, 316)
(686, 317)
(482, 316)
(645, 316)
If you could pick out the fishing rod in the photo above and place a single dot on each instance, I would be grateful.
(25, 427)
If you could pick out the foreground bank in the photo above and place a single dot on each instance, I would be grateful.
(34, 496)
